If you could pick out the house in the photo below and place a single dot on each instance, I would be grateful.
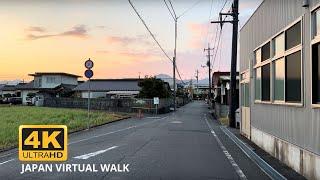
(1, 87)
(221, 89)
(8, 90)
(54, 84)
(109, 88)
(201, 90)
(280, 82)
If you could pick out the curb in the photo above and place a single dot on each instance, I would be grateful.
(264, 166)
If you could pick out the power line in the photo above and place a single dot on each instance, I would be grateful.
(154, 38)
(169, 9)
(217, 47)
(174, 12)
(217, 43)
(175, 18)
(188, 9)
(207, 37)
(223, 6)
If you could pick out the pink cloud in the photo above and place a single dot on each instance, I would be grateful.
(125, 40)
(79, 31)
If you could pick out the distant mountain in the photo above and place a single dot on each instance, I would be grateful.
(11, 82)
(168, 79)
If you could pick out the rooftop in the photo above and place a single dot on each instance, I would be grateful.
(109, 85)
(54, 73)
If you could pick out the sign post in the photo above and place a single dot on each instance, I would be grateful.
(88, 74)
(156, 102)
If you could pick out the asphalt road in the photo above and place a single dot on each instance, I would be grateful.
(187, 144)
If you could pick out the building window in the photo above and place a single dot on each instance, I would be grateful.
(258, 84)
(265, 82)
(279, 76)
(265, 52)
(284, 69)
(293, 36)
(316, 73)
(316, 23)
(51, 80)
(293, 77)
(278, 45)
(315, 57)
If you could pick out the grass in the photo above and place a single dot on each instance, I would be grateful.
(11, 117)
(224, 121)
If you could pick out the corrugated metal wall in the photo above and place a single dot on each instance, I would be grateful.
(297, 125)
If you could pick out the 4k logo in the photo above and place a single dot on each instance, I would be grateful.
(43, 143)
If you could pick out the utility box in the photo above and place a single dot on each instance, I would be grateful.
(238, 119)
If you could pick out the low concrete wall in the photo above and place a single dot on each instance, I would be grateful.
(299, 159)
(113, 105)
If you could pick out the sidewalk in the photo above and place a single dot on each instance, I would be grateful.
(283, 169)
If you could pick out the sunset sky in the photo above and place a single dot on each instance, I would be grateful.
(58, 36)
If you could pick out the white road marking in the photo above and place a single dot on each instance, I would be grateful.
(87, 156)
(81, 140)
(112, 132)
(226, 153)
(7, 161)
(9, 154)
(176, 122)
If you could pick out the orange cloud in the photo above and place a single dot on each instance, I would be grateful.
(36, 29)
(141, 39)
(79, 31)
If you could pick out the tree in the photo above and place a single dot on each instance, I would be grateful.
(153, 87)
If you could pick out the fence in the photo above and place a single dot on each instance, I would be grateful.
(114, 105)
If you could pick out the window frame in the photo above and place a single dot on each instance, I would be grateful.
(273, 58)
(314, 40)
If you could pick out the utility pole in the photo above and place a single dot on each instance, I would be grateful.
(174, 63)
(233, 71)
(209, 67)
(197, 76)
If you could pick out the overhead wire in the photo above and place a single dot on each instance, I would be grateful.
(217, 42)
(165, 2)
(152, 35)
(188, 9)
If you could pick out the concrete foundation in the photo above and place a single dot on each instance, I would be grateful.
(299, 159)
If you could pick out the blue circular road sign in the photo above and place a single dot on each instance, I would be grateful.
(88, 64)
(88, 73)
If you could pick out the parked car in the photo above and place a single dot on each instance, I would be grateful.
(15, 100)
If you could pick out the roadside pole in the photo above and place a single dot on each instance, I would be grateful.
(156, 102)
(89, 74)
(233, 70)
(89, 97)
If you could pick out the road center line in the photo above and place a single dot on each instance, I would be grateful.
(7, 161)
(89, 155)
(112, 132)
(225, 151)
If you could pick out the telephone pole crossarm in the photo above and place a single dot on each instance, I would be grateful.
(222, 22)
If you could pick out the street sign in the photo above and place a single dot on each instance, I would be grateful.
(88, 73)
(156, 100)
(88, 64)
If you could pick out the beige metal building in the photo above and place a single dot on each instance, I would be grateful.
(280, 82)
